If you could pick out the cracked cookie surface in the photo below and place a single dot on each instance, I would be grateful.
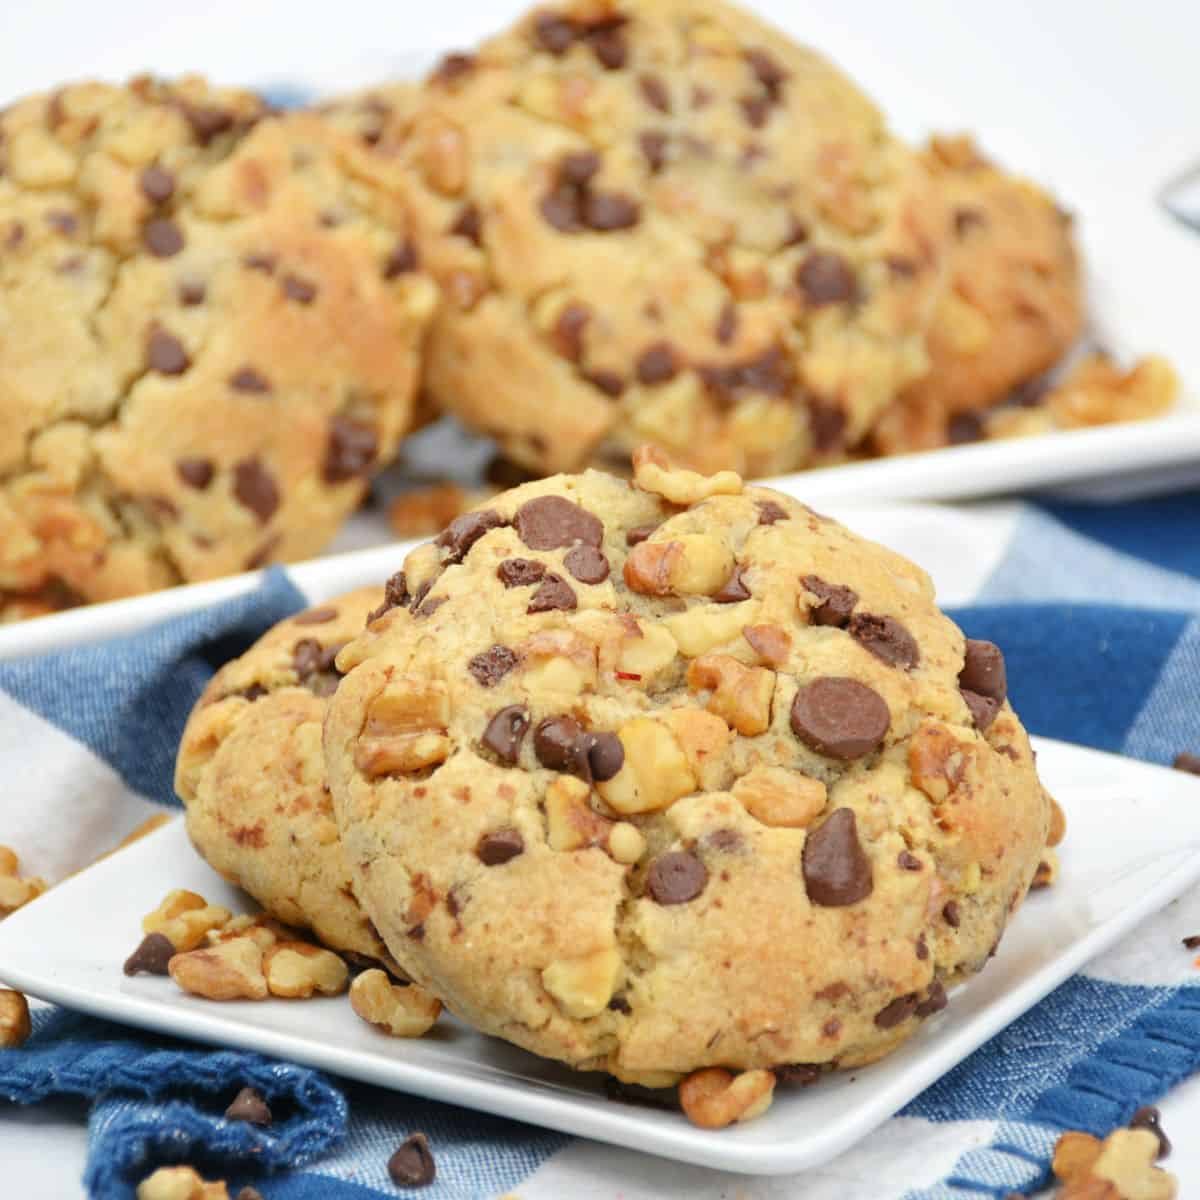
(252, 778)
(662, 220)
(659, 775)
(206, 341)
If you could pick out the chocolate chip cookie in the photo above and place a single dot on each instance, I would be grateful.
(252, 778)
(665, 221)
(658, 775)
(1013, 305)
(209, 335)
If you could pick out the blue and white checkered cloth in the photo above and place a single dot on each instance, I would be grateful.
(1098, 611)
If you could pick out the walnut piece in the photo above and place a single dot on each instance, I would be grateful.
(687, 564)
(15, 892)
(406, 1012)
(570, 821)
(655, 773)
(184, 919)
(14, 1019)
(232, 970)
(1119, 1168)
(739, 695)
(626, 843)
(296, 970)
(180, 1183)
(583, 986)
(653, 472)
(405, 728)
(713, 1098)
(701, 629)
(646, 654)
(777, 796)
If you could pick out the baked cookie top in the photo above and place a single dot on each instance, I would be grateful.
(252, 778)
(656, 775)
(209, 334)
(663, 220)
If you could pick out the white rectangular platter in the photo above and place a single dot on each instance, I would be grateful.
(69, 946)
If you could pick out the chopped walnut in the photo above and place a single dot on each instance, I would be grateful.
(688, 564)
(701, 629)
(232, 970)
(1047, 871)
(1058, 823)
(295, 970)
(426, 511)
(15, 892)
(405, 728)
(583, 986)
(558, 661)
(185, 918)
(15, 1027)
(1119, 1168)
(653, 472)
(442, 152)
(646, 654)
(938, 761)
(739, 695)
(655, 773)
(626, 843)
(180, 1183)
(405, 1012)
(777, 796)
(570, 821)
(1098, 392)
(713, 1098)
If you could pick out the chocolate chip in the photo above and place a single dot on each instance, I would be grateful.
(499, 846)
(463, 532)
(638, 534)
(769, 513)
(395, 595)
(587, 564)
(553, 594)
(901, 268)
(568, 331)
(1149, 1118)
(827, 425)
(840, 717)
(195, 472)
(315, 616)
(756, 110)
(301, 290)
(653, 145)
(15, 235)
(505, 732)
(656, 364)
(727, 324)
(162, 237)
(561, 208)
(206, 122)
(952, 914)
(255, 691)
(837, 602)
(983, 709)
(964, 428)
(676, 878)
(165, 353)
(550, 522)
(520, 572)
(1187, 762)
(983, 670)
(885, 638)
(247, 379)
(800, 1074)
(249, 1106)
(561, 744)
(350, 450)
(157, 185)
(310, 658)
(922, 948)
(402, 259)
(468, 224)
(452, 67)
(579, 169)
(554, 33)
(734, 589)
(265, 263)
(603, 212)
(934, 1002)
(491, 665)
(655, 92)
(62, 221)
(609, 382)
(255, 488)
(191, 292)
(412, 1166)
(836, 869)
(826, 278)
(428, 607)
(606, 756)
(151, 957)
(966, 219)
(767, 71)
(897, 1012)
(608, 45)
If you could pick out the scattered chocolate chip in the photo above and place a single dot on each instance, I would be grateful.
(726, 841)
(264, 263)
(587, 564)
(620, 1004)
(966, 219)
(395, 595)
(656, 364)
(770, 372)
(727, 324)
(983, 670)
(499, 846)
(551, 522)
(350, 450)
(840, 717)
(247, 379)
(897, 1012)
(827, 424)
(1150, 1118)
(604, 212)
(206, 122)
(1192, 942)
(310, 658)
(255, 488)
(412, 1166)
(491, 665)
(463, 532)
(608, 44)
(162, 237)
(165, 353)
(900, 267)
(191, 292)
(151, 957)
(62, 221)
(452, 67)
(609, 382)
(952, 914)
(249, 1106)
(756, 110)
(907, 861)
(554, 33)
(553, 594)
(837, 602)
(15, 235)
(606, 756)
(505, 732)
(303, 291)
(254, 692)
(401, 260)
(826, 278)
(1187, 762)
(561, 744)
(655, 92)
(964, 428)
(885, 638)
(983, 709)
(578, 169)
(934, 1002)
(653, 145)
(468, 224)
(769, 513)
(157, 185)
(638, 534)
(922, 948)
(568, 331)
(836, 869)
(767, 71)
(799, 1074)
(195, 472)
(520, 572)
(426, 608)
(315, 616)
(676, 878)
(734, 589)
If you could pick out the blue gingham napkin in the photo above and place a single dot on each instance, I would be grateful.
(1122, 674)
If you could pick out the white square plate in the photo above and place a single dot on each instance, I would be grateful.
(69, 946)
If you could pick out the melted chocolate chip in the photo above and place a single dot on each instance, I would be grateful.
(606, 756)
(157, 185)
(255, 488)
(195, 472)
(468, 224)
(568, 331)
(952, 914)
(756, 110)
(162, 237)
(964, 428)
(499, 846)
(983, 709)
(604, 212)
(770, 513)
(897, 1012)
(840, 717)
(578, 169)
(395, 595)
(412, 1165)
(191, 292)
(655, 92)
(653, 145)
(553, 33)
(676, 878)
(836, 869)
(520, 572)
(463, 532)
(265, 263)
(607, 43)
(1149, 1118)
(561, 744)
(551, 522)
(727, 324)
(350, 450)
(656, 364)
(609, 382)
(247, 379)
(885, 638)
(934, 1002)
(587, 564)
(249, 1106)
(907, 861)
(800, 1074)
(770, 372)
(837, 602)
(151, 957)
(452, 68)
(966, 219)
(491, 665)
(206, 122)
(734, 589)
(505, 732)
(553, 594)
(827, 425)
(826, 278)
(302, 291)
(165, 353)
(402, 259)
(64, 222)
(983, 670)
(638, 534)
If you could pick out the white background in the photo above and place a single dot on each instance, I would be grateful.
(1099, 99)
